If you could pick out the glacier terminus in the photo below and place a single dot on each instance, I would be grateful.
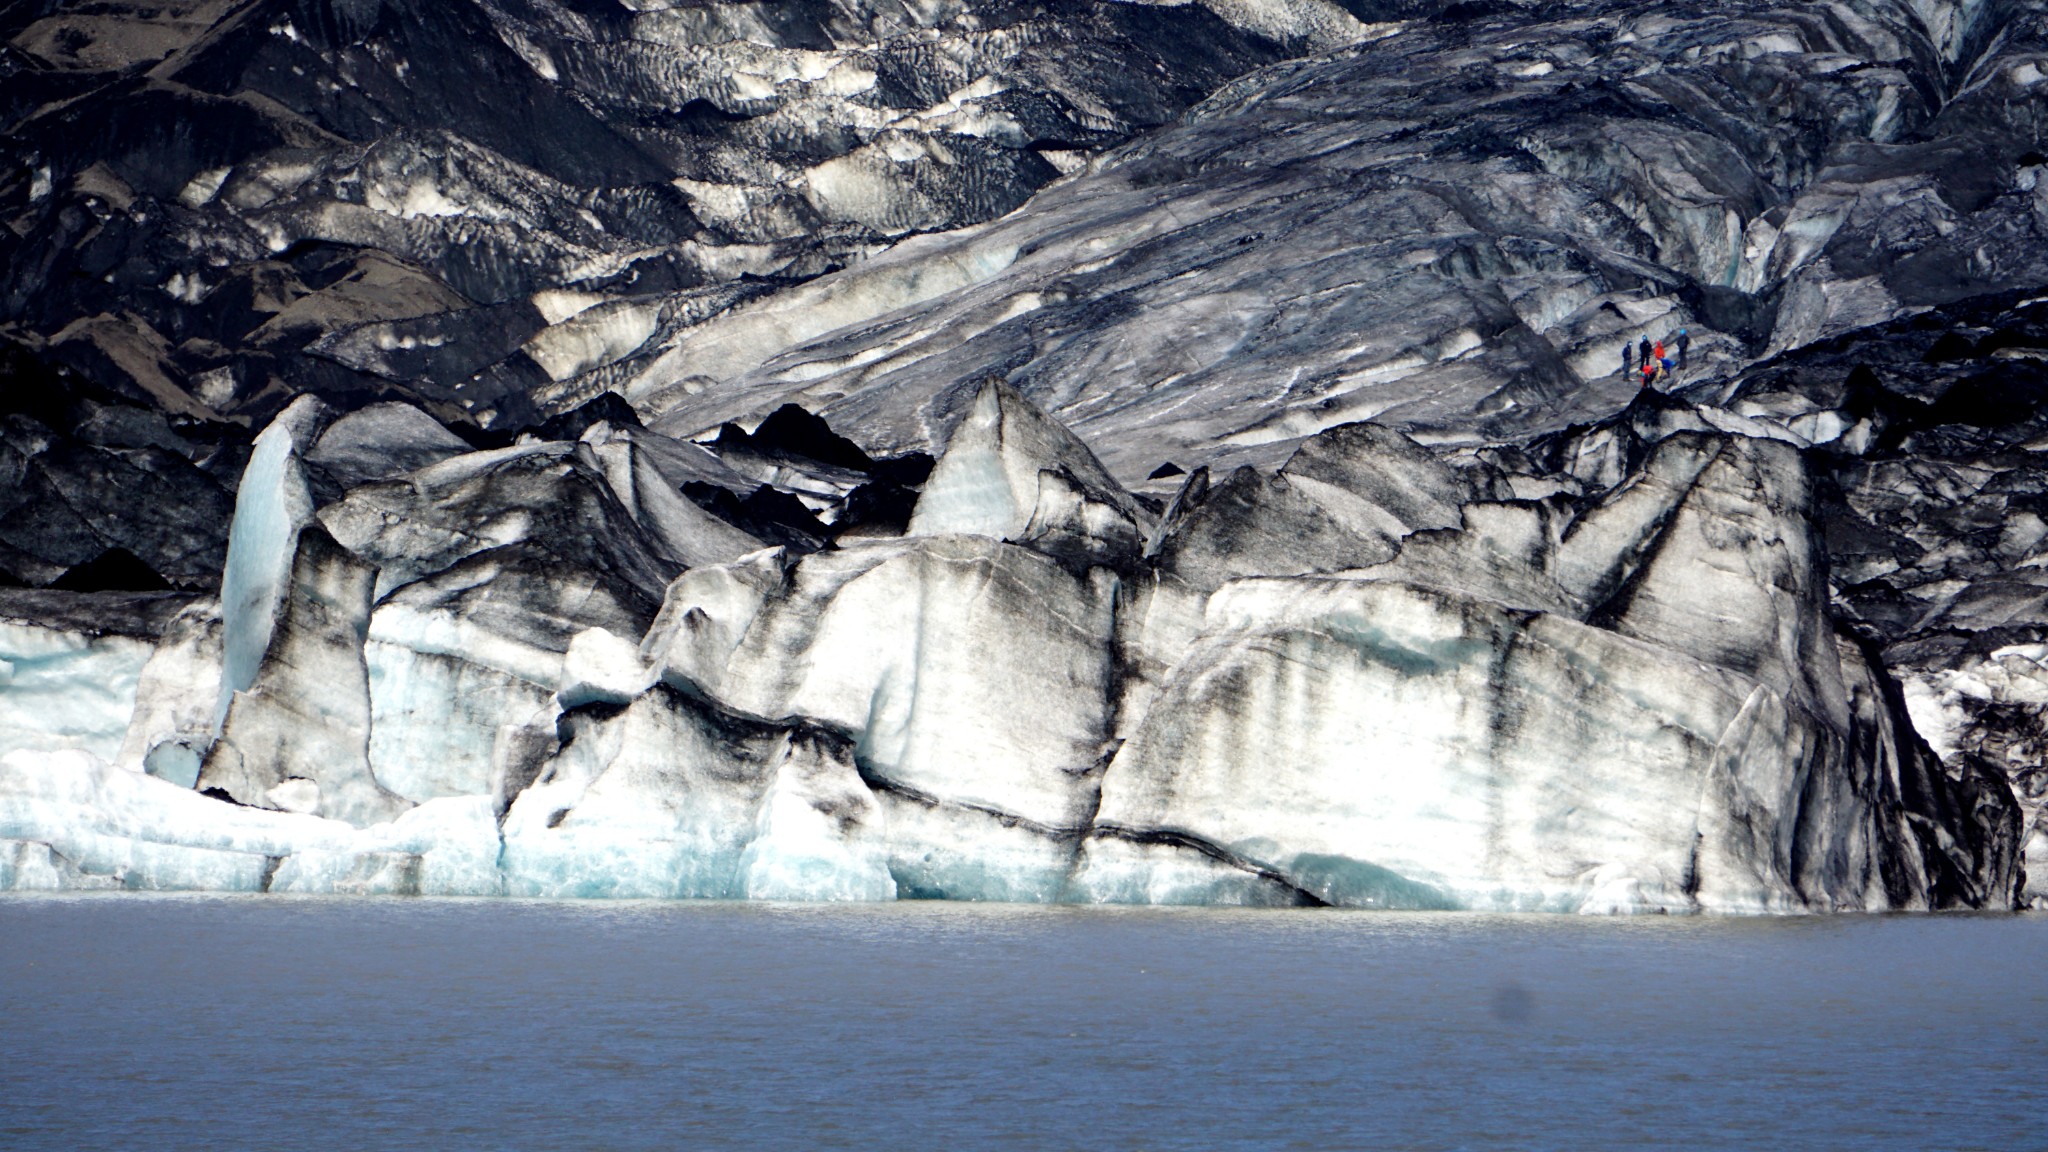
(844, 450)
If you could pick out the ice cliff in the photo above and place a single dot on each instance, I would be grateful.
(1095, 453)
(1374, 677)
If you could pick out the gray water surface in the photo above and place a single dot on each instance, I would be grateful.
(263, 1022)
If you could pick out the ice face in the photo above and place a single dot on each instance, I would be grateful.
(64, 689)
(1365, 679)
(1314, 719)
(819, 835)
(601, 666)
(660, 799)
(446, 847)
(26, 866)
(144, 832)
(1114, 869)
(307, 715)
(876, 639)
(175, 698)
(1420, 695)
(434, 719)
(271, 505)
(705, 614)
(380, 442)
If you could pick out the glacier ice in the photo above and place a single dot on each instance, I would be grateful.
(666, 797)
(435, 717)
(380, 442)
(305, 718)
(1369, 678)
(468, 210)
(1012, 473)
(175, 697)
(1295, 540)
(271, 505)
(70, 820)
(1489, 757)
(67, 689)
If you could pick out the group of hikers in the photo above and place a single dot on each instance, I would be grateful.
(1656, 361)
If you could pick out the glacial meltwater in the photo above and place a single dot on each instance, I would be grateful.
(140, 1023)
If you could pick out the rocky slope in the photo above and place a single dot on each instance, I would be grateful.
(1293, 534)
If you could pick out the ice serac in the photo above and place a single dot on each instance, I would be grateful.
(548, 497)
(271, 505)
(648, 480)
(925, 650)
(298, 738)
(175, 697)
(1379, 481)
(382, 441)
(1438, 732)
(669, 797)
(1013, 473)
(972, 677)
(487, 566)
(1346, 499)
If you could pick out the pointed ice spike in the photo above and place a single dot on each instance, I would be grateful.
(993, 481)
(987, 481)
(271, 505)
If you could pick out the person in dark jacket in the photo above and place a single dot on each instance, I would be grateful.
(1684, 343)
(1643, 352)
(1628, 358)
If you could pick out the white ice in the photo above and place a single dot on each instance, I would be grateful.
(62, 689)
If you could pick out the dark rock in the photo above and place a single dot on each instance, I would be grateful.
(571, 425)
(773, 516)
(115, 570)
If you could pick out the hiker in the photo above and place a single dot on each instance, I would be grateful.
(1628, 358)
(1643, 351)
(1684, 343)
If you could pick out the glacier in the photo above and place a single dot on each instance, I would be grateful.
(1370, 678)
(838, 451)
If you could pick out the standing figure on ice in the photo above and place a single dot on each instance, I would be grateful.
(1628, 358)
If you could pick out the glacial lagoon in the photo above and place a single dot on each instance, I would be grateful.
(172, 1022)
